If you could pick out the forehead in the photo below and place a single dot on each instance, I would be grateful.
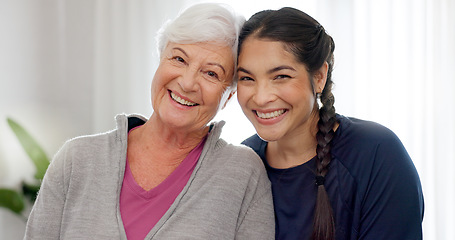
(203, 50)
(267, 50)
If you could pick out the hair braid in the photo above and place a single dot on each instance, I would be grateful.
(324, 223)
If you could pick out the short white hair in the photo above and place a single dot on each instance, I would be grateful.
(203, 22)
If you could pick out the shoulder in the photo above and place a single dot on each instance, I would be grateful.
(225, 152)
(361, 135)
(92, 143)
(369, 149)
(231, 164)
(87, 148)
(82, 154)
(253, 141)
(89, 143)
(357, 130)
(365, 138)
(372, 158)
(232, 159)
(257, 144)
(239, 154)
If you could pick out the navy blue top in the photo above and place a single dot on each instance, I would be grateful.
(373, 186)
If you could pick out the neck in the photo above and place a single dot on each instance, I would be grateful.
(295, 148)
(173, 137)
(155, 138)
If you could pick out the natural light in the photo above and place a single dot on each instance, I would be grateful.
(68, 67)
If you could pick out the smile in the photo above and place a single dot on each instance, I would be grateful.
(182, 101)
(270, 114)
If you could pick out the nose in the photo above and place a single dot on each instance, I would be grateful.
(189, 81)
(264, 93)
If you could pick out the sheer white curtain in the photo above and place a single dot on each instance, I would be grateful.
(397, 63)
(68, 66)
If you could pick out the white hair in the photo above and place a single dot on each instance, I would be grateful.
(204, 22)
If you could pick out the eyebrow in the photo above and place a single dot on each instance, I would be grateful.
(241, 69)
(210, 63)
(181, 50)
(275, 69)
(219, 65)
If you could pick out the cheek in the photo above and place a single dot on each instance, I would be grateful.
(155, 85)
(161, 78)
(242, 93)
(304, 99)
(158, 89)
(302, 88)
(213, 95)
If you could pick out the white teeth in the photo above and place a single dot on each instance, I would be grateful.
(181, 101)
(270, 114)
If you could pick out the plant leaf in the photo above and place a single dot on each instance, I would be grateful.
(33, 149)
(12, 200)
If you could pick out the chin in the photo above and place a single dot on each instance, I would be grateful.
(268, 133)
(268, 137)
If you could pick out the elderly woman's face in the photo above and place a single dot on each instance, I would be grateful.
(189, 83)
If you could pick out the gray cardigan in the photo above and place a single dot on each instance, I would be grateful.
(227, 197)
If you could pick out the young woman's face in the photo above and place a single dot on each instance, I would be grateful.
(189, 83)
(274, 90)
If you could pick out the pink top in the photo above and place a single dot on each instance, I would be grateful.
(141, 209)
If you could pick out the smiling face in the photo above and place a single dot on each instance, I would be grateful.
(274, 90)
(189, 83)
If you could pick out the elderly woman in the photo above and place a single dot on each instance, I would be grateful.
(171, 176)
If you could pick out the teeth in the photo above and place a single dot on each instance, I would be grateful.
(270, 115)
(181, 101)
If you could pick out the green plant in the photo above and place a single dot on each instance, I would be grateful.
(15, 200)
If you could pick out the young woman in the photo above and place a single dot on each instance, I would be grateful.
(333, 177)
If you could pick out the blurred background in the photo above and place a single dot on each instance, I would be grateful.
(67, 67)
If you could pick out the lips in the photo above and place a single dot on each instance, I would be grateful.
(270, 115)
(181, 100)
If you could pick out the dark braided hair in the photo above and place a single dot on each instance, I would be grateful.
(313, 47)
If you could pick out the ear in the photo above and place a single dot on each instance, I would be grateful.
(320, 78)
(231, 94)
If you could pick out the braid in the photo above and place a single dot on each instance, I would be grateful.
(324, 223)
(325, 132)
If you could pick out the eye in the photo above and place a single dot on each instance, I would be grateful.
(245, 78)
(178, 59)
(213, 74)
(282, 76)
